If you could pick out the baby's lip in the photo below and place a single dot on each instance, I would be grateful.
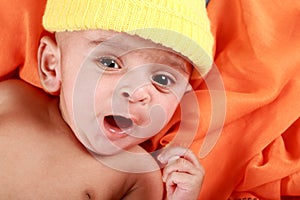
(118, 124)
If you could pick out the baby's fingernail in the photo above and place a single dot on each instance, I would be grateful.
(160, 158)
(163, 179)
(173, 159)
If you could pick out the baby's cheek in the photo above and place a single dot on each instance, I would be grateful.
(170, 107)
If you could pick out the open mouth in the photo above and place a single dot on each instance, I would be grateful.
(117, 124)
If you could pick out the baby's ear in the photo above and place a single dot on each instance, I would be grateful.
(49, 65)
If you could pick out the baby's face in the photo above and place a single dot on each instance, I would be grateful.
(118, 90)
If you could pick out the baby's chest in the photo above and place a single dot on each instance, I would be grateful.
(60, 182)
(61, 175)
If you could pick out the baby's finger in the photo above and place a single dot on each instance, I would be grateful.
(182, 165)
(180, 185)
(190, 156)
(171, 153)
(182, 180)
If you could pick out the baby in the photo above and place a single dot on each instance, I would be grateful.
(116, 73)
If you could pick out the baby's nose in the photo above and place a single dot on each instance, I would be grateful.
(140, 95)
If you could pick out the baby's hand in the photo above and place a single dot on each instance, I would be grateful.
(183, 174)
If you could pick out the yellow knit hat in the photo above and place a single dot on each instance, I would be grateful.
(182, 25)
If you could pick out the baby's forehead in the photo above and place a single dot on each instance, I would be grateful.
(126, 43)
(116, 40)
(129, 42)
(122, 44)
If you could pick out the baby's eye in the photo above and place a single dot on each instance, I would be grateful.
(163, 80)
(109, 62)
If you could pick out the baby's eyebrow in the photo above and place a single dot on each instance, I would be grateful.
(95, 42)
(116, 46)
(182, 65)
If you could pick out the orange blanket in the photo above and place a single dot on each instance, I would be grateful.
(257, 53)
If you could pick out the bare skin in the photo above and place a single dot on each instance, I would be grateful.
(44, 146)
(40, 158)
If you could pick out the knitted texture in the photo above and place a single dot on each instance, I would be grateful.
(182, 25)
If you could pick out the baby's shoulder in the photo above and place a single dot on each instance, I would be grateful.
(9, 90)
(22, 104)
(15, 94)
